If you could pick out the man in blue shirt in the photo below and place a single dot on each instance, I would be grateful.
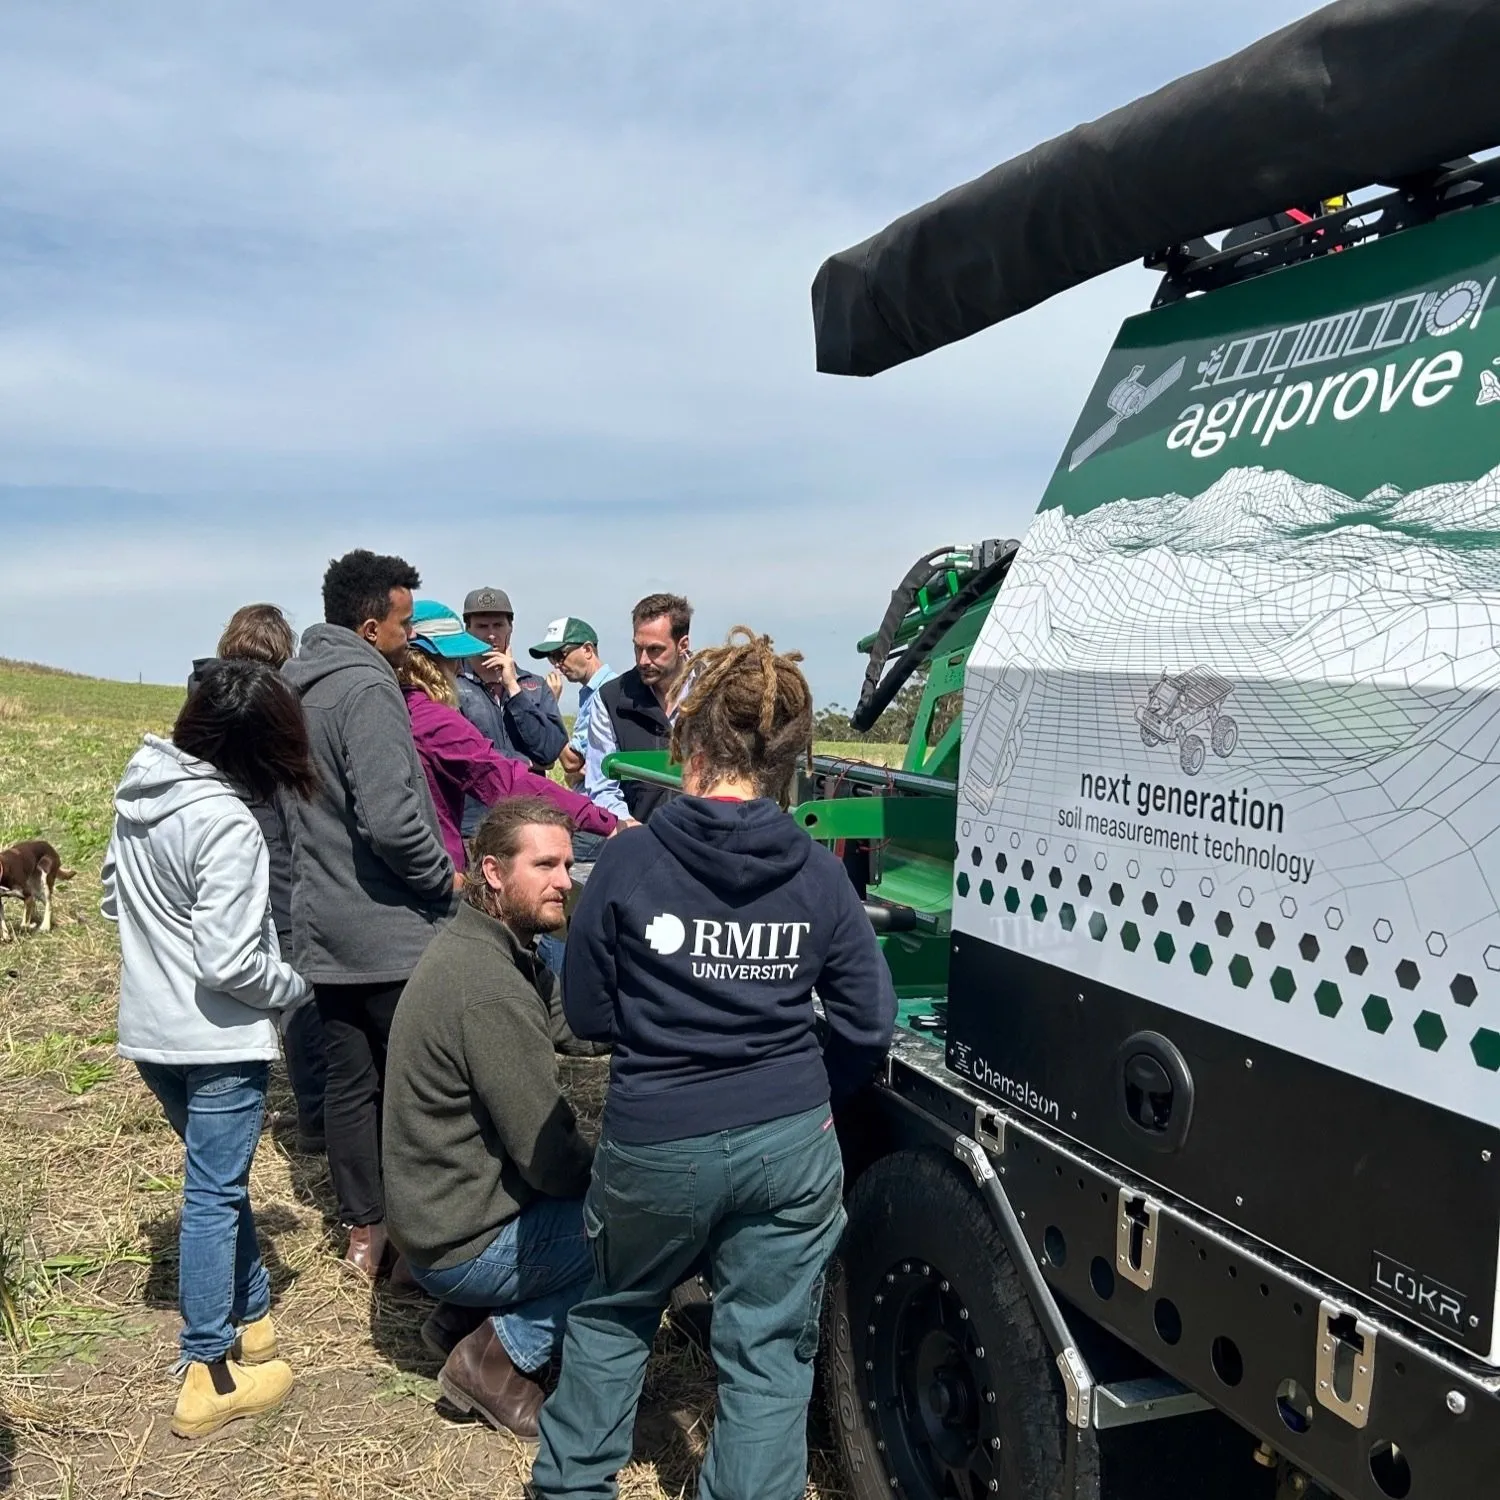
(571, 648)
(515, 710)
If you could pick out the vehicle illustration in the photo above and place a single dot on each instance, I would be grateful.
(1177, 708)
(996, 741)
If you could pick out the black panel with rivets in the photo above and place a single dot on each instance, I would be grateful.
(1327, 1167)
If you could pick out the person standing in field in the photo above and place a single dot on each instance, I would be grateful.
(633, 712)
(718, 1134)
(514, 709)
(371, 880)
(571, 648)
(260, 632)
(202, 984)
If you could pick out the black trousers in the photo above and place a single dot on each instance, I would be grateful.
(306, 1065)
(356, 1026)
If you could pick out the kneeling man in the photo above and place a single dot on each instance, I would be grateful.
(484, 1167)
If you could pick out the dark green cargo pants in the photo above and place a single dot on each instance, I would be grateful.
(765, 1203)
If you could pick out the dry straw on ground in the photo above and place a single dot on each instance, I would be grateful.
(89, 1183)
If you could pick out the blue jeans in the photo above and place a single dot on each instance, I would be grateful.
(216, 1111)
(586, 847)
(550, 951)
(529, 1275)
(766, 1204)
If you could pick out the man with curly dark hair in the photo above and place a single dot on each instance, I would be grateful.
(371, 879)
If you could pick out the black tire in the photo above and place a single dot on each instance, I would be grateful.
(1225, 736)
(1192, 754)
(955, 1387)
(1149, 737)
(691, 1310)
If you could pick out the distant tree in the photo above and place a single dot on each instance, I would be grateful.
(893, 727)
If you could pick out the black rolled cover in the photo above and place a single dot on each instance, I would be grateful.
(1360, 92)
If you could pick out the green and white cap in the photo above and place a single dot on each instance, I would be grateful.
(568, 631)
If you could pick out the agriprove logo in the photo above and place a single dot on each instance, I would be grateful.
(1272, 381)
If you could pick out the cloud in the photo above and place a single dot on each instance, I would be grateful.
(518, 290)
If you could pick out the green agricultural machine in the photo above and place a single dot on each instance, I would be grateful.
(1183, 1173)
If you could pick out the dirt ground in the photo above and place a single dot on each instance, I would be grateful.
(89, 1181)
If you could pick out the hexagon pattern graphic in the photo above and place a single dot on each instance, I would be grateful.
(1428, 1028)
(1431, 1033)
(1328, 999)
(1486, 1049)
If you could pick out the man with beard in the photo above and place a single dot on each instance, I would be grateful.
(485, 1169)
(634, 711)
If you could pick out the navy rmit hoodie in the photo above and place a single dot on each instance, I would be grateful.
(695, 950)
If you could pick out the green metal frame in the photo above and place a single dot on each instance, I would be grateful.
(945, 672)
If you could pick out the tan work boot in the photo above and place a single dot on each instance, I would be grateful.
(212, 1395)
(256, 1344)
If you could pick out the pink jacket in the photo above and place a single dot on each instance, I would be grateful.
(460, 761)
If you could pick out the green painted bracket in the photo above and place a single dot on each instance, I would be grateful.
(651, 766)
(879, 817)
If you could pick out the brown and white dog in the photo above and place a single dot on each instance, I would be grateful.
(28, 872)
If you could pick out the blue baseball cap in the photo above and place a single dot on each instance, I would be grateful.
(440, 632)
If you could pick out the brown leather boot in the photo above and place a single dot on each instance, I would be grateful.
(479, 1377)
(367, 1246)
(447, 1325)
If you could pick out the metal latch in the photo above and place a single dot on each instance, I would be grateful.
(989, 1129)
(1136, 1233)
(1079, 1385)
(1346, 1363)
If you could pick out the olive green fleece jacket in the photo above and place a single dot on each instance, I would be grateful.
(476, 1126)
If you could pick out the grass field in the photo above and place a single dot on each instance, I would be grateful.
(89, 1182)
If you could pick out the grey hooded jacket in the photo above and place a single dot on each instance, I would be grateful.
(202, 979)
(371, 880)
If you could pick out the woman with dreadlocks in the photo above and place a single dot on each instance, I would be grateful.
(695, 950)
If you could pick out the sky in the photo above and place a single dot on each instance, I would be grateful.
(519, 291)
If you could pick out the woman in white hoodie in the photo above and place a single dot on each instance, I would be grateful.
(203, 988)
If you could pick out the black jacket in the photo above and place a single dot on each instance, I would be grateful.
(695, 949)
(639, 723)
